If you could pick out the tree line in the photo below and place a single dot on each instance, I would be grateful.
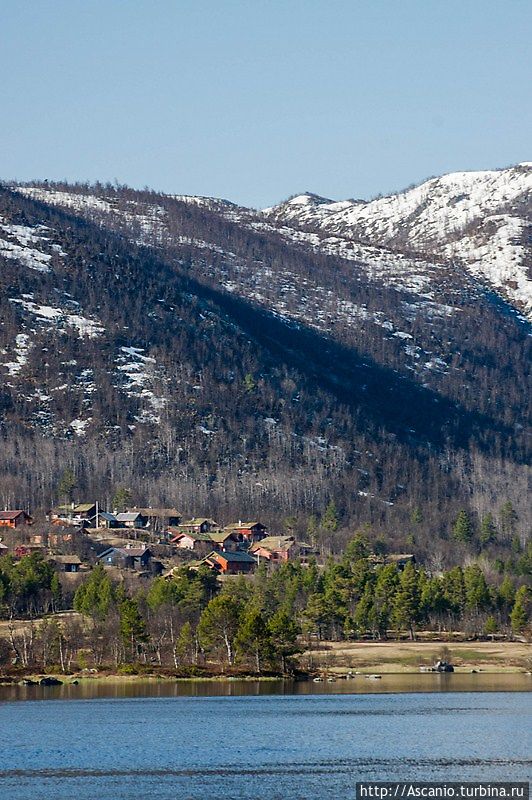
(190, 624)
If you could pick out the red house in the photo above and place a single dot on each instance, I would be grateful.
(230, 562)
(248, 532)
(14, 519)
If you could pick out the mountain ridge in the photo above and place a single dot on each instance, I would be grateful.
(252, 363)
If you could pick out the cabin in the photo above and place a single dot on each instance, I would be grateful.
(225, 540)
(399, 559)
(14, 519)
(82, 514)
(275, 549)
(230, 562)
(107, 520)
(247, 532)
(131, 519)
(137, 558)
(68, 564)
(198, 525)
(196, 542)
(158, 519)
(4, 550)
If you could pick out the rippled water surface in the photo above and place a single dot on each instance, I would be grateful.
(257, 747)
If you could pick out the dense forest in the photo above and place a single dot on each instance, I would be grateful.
(208, 363)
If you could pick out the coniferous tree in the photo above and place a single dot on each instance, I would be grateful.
(406, 611)
(520, 612)
(462, 528)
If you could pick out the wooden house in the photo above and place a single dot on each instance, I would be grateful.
(224, 540)
(22, 550)
(14, 519)
(247, 532)
(131, 519)
(137, 558)
(275, 548)
(158, 519)
(198, 525)
(82, 514)
(233, 562)
(107, 520)
(200, 543)
(66, 563)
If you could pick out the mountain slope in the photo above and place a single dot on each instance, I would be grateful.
(479, 219)
(206, 355)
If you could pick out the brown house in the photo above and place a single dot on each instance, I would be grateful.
(14, 519)
(225, 540)
(66, 563)
(275, 548)
(230, 562)
(197, 525)
(157, 519)
(248, 532)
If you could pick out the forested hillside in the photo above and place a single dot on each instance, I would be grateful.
(208, 357)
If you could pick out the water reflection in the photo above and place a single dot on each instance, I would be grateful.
(432, 682)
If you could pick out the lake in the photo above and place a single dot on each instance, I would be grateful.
(262, 743)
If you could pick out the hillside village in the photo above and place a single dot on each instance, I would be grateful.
(148, 541)
(154, 589)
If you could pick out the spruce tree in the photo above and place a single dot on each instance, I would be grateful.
(520, 612)
(462, 528)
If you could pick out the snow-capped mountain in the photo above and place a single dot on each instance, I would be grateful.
(278, 354)
(481, 220)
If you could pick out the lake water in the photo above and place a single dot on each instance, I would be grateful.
(261, 745)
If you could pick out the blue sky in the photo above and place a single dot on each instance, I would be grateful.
(255, 100)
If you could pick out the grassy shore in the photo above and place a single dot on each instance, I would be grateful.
(404, 657)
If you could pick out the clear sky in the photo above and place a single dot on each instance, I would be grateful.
(254, 100)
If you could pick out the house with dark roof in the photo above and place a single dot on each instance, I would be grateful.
(247, 532)
(230, 562)
(198, 525)
(137, 558)
(131, 519)
(158, 519)
(107, 520)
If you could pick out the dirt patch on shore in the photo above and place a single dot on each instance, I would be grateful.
(340, 657)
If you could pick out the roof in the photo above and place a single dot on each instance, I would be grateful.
(107, 516)
(233, 556)
(11, 514)
(220, 536)
(128, 516)
(82, 508)
(196, 535)
(196, 521)
(65, 559)
(134, 552)
(157, 512)
(3, 546)
(274, 543)
(240, 525)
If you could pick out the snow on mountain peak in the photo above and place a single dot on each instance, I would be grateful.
(467, 217)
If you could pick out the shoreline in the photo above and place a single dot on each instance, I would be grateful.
(329, 661)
